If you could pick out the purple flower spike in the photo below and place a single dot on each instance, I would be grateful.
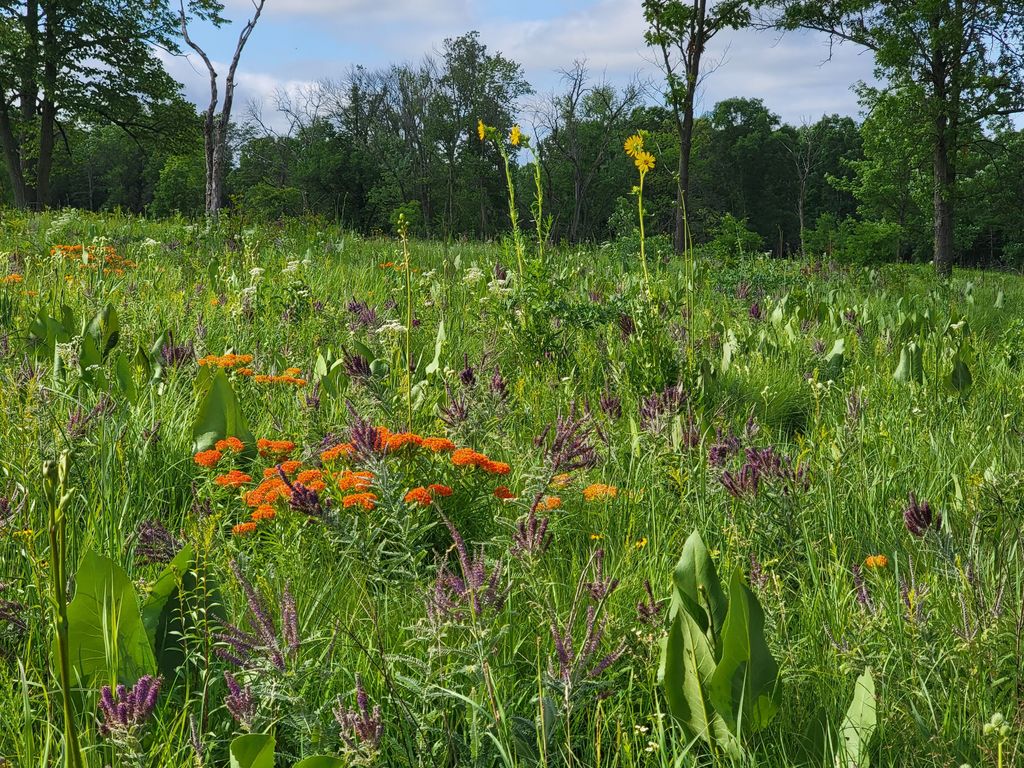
(124, 713)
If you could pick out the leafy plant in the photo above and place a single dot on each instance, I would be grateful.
(718, 675)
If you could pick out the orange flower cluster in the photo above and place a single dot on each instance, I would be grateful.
(263, 512)
(354, 481)
(230, 360)
(282, 379)
(312, 479)
(599, 491)
(876, 561)
(230, 444)
(233, 479)
(396, 441)
(560, 481)
(273, 488)
(244, 529)
(438, 444)
(91, 257)
(424, 496)
(502, 492)
(290, 467)
(11, 279)
(207, 459)
(274, 448)
(364, 500)
(342, 450)
(467, 457)
(550, 502)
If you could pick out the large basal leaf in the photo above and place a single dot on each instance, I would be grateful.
(219, 415)
(687, 665)
(744, 687)
(435, 363)
(959, 378)
(254, 750)
(104, 329)
(126, 378)
(321, 761)
(858, 725)
(911, 365)
(106, 636)
(697, 588)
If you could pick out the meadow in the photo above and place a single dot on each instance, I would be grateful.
(316, 499)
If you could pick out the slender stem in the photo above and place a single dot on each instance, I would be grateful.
(404, 230)
(643, 254)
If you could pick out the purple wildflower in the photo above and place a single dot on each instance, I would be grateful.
(155, 544)
(649, 609)
(355, 366)
(755, 312)
(457, 410)
(919, 518)
(125, 712)
(361, 728)
(365, 438)
(240, 702)
(248, 649)
(600, 588)
(475, 589)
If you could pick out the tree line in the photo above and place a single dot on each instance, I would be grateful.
(933, 171)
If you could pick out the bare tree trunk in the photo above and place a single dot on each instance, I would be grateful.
(215, 127)
(12, 158)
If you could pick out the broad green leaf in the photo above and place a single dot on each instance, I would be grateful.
(911, 365)
(959, 378)
(688, 663)
(698, 589)
(321, 761)
(125, 378)
(105, 329)
(220, 416)
(745, 683)
(254, 750)
(858, 725)
(106, 636)
(435, 363)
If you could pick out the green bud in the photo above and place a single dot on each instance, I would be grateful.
(1004, 731)
(988, 729)
(997, 719)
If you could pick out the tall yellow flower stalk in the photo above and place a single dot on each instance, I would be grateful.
(644, 162)
(516, 137)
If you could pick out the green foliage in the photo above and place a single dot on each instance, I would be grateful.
(267, 202)
(254, 750)
(220, 415)
(180, 187)
(107, 636)
(731, 240)
(719, 677)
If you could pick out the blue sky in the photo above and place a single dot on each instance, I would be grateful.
(298, 42)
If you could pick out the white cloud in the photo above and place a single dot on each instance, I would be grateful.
(354, 14)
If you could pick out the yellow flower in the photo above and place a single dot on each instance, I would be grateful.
(515, 136)
(641, 543)
(876, 561)
(644, 161)
(634, 145)
(481, 130)
(596, 536)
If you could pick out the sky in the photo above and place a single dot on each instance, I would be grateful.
(298, 42)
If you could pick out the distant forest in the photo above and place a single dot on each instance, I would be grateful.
(374, 144)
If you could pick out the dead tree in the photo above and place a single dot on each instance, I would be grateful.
(215, 126)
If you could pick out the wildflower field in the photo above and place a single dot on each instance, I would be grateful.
(281, 495)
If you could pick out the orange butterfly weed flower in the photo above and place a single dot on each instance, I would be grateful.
(876, 561)
(419, 495)
(599, 491)
(11, 279)
(244, 529)
(233, 479)
(550, 502)
(207, 459)
(502, 492)
(495, 467)
(438, 444)
(440, 490)
(395, 442)
(290, 467)
(562, 480)
(230, 444)
(230, 360)
(467, 457)
(263, 512)
(354, 481)
(364, 500)
(342, 450)
(269, 448)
